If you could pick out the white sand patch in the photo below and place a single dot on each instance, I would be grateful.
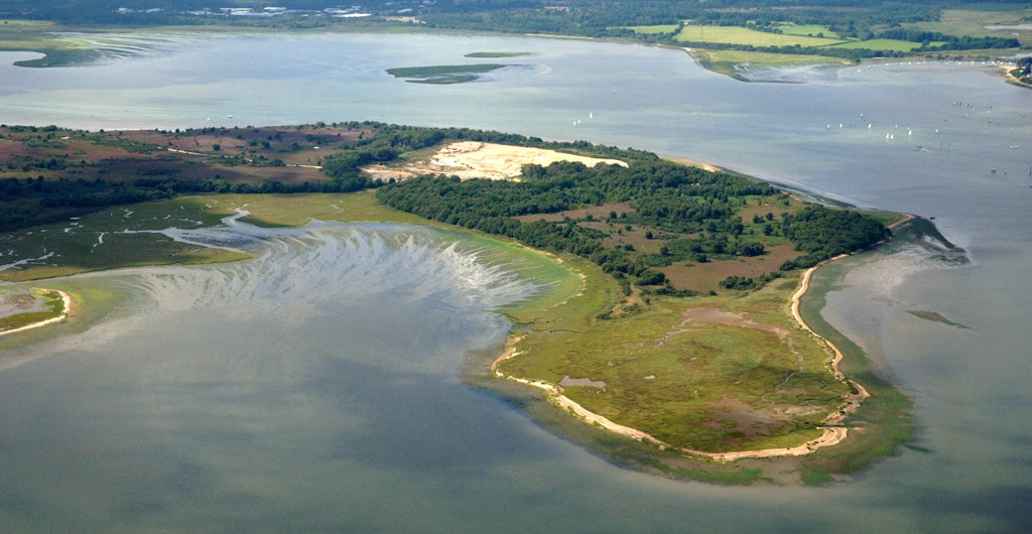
(470, 159)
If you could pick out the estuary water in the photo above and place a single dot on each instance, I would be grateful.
(277, 397)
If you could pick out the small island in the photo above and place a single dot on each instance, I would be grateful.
(444, 74)
(497, 55)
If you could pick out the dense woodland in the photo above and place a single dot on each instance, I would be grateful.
(666, 197)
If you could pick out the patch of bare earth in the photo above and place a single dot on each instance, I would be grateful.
(726, 318)
(765, 206)
(475, 160)
(707, 276)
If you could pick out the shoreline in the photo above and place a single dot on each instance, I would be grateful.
(66, 299)
(833, 432)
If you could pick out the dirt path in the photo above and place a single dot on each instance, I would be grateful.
(65, 298)
(832, 432)
(249, 160)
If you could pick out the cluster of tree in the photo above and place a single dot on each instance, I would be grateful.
(941, 41)
(825, 233)
(1023, 71)
(690, 197)
(664, 195)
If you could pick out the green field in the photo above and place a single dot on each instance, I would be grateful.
(813, 30)
(893, 45)
(655, 29)
(736, 35)
(730, 62)
(976, 23)
(709, 373)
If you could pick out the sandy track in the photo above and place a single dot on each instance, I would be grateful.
(65, 297)
(832, 431)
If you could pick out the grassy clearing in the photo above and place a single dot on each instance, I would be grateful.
(809, 30)
(737, 35)
(716, 373)
(706, 277)
(655, 29)
(982, 23)
(298, 210)
(888, 45)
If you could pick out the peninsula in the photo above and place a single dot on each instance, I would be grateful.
(670, 315)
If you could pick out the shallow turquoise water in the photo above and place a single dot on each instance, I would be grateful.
(196, 418)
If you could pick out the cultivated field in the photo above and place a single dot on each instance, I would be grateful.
(893, 45)
(470, 160)
(982, 23)
(655, 29)
(745, 36)
(811, 30)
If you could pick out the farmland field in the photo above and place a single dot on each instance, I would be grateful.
(744, 36)
(654, 29)
(894, 45)
(815, 30)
